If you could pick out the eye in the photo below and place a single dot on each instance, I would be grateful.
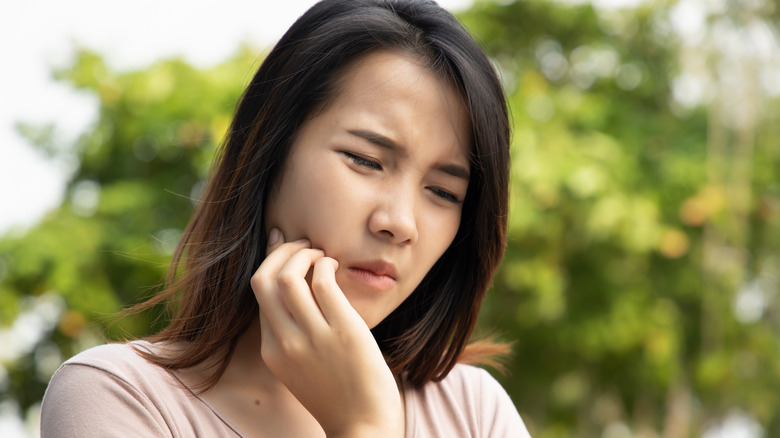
(443, 194)
(361, 161)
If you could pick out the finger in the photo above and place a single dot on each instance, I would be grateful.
(264, 285)
(334, 305)
(263, 278)
(295, 290)
(274, 311)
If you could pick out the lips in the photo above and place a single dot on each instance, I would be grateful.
(377, 267)
(378, 275)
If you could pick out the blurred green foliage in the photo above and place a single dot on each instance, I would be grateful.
(644, 252)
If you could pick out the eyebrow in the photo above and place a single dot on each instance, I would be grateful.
(386, 143)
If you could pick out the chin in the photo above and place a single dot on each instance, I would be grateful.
(372, 320)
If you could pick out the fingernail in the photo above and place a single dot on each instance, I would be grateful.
(274, 236)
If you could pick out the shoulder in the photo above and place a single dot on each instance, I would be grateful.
(111, 358)
(102, 385)
(112, 389)
(117, 365)
(469, 378)
(467, 399)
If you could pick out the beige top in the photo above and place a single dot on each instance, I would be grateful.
(111, 391)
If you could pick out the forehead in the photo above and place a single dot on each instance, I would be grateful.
(400, 94)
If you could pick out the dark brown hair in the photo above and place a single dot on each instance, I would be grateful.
(225, 241)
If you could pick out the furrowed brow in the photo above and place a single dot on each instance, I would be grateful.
(377, 139)
(385, 142)
(454, 170)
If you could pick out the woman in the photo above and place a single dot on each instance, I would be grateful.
(333, 272)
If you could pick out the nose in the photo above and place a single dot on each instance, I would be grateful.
(393, 218)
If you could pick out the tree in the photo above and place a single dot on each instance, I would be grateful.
(141, 167)
(609, 265)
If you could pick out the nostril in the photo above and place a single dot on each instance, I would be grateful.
(393, 221)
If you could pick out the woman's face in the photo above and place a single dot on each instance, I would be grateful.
(377, 180)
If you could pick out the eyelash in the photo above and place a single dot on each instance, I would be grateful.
(365, 162)
(447, 196)
(360, 161)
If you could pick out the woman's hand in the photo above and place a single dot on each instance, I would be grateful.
(315, 343)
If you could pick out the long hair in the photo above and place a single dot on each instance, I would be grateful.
(208, 285)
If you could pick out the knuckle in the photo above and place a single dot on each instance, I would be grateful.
(271, 357)
(345, 337)
(269, 350)
(322, 261)
(286, 280)
(319, 284)
(291, 348)
(259, 286)
(256, 281)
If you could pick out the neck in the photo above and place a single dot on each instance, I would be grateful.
(251, 396)
(247, 369)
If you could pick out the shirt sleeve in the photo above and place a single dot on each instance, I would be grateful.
(499, 417)
(85, 401)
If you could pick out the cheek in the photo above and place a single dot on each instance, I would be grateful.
(312, 205)
(442, 230)
(287, 206)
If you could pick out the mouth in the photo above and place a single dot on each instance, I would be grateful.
(378, 275)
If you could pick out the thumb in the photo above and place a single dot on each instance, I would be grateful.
(275, 240)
